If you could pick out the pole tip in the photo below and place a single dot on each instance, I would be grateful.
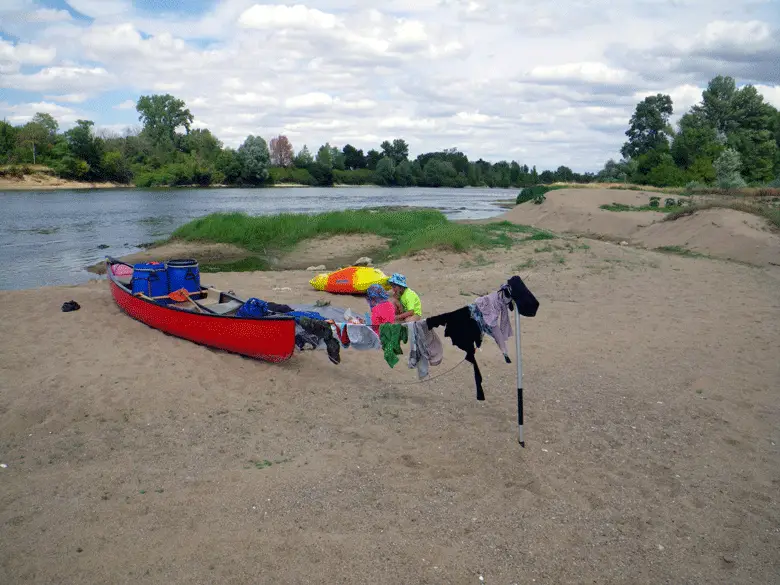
(522, 444)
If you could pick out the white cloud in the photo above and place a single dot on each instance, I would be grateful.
(26, 53)
(23, 112)
(126, 105)
(70, 98)
(554, 82)
(287, 17)
(49, 15)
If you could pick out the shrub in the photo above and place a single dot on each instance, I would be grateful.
(531, 193)
(670, 202)
(655, 201)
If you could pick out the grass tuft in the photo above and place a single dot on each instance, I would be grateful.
(407, 232)
(770, 213)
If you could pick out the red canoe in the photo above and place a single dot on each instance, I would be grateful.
(267, 338)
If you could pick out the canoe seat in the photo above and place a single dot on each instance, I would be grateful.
(225, 308)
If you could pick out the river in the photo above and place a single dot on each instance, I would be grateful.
(50, 237)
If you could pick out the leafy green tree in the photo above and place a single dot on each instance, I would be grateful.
(385, 171)
(32, 142)
(162, 115)
(727, 170)
(325, 156)
(404, 175)
(440, 173)
(321, 174)
(717, 104)
(398, 150)
(228, 165)
(114, 167)
(649, 127)
(84, 145)
(7, 140)
(338, 158)
(304, 158)
(372, 159)
(353, 158)
(49, 124)
(202, 143)
(255, 159)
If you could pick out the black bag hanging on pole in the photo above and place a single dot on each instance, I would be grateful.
(525, 304)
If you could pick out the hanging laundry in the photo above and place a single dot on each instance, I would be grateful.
(526, 302)
(392, 335)
(425, 348)
(362, 337)
(322, 330)
(494, 309)
(465, 334)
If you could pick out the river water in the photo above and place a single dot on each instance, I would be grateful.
(50, 237)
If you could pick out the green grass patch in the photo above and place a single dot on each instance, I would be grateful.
(680, 251)
(623, 207)
(768, 212)
(407, 232)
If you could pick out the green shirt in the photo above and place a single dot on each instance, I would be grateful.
(411, 302)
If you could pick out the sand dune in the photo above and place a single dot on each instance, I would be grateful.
(651, 424)
(720, 233)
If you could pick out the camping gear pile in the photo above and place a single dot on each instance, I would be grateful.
(168, 296)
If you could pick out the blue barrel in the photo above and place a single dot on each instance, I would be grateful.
(150, 279)
(184, 274)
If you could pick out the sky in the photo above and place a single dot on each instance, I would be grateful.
(543, 83)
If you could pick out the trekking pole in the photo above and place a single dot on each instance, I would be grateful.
(519, 358)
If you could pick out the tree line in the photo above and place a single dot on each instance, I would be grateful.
(731, 139)
(168, 151)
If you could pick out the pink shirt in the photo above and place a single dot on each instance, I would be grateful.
(382, 313)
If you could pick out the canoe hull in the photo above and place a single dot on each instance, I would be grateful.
(267, 339)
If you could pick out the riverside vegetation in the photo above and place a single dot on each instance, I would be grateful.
(730, 140)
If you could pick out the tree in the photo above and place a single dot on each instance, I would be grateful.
(49, 124)
(114, 167)
(7, 140)
(254, 157)
(404, 174)
(32, 139)
(84, 145)
(372, 159)
(162, 115)
(281, 151)
(717, 103)
(304, 158)
(696, 139)
(325, 156)
(398, 150)
(649, 126)
(228, 165)
(353, 158)
(440, 173)
(338, 158)
(385, 171)
(727, 167)
(203, 144)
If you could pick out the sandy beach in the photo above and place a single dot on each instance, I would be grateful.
(651, 396)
